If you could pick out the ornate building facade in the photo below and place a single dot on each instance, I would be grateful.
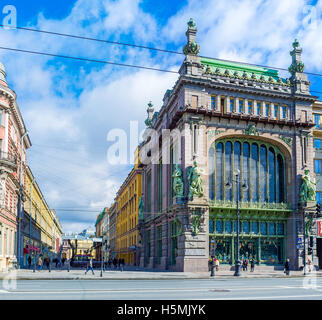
(14, 141)
(227, 132)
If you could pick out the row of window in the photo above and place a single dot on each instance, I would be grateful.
(255, 227)
(238, 105)
(317, 120)
(7, 241)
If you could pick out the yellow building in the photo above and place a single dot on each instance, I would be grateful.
(42, 229)
(127, 200)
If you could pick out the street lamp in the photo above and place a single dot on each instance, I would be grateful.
(244, 188)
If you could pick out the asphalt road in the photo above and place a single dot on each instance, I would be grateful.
(190, 289)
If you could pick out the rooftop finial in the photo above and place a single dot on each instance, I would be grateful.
(150, 111)
(191, 48)
(191, 23)
(295, 44)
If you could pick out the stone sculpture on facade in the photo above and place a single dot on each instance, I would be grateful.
(195, 182)
(195, 224)
(177, 182)
(141, 209)
(307, 190)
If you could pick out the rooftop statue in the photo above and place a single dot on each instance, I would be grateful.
(191, 23)
(307, 190)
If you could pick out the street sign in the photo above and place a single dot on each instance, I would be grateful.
(97, 239)
(300, 246)
(299, 241)
(319, 228)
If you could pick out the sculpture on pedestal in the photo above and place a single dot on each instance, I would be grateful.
(307, 190)
(195, 182)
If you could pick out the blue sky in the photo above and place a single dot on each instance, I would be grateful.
(70, 106)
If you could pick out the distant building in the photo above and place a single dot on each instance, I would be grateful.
(112, 231)
(127, 203)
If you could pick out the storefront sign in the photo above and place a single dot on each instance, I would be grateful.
(319, 228)
(299, 241)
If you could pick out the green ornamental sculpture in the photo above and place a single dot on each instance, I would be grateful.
(191, 24)
(141, 208)
(307, 190)
(177, 182)
(196, 224)
(195, 182)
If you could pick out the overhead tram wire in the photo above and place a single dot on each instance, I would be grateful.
(86, 59)
(143, 47)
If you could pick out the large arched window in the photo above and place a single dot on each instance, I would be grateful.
(261, 166)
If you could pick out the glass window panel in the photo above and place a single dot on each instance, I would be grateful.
(223, 250)
(263, 173)
(280, 228)
(237, 156)
(318, 197)
(219, 226)
(271, 177)
(317, 166)
(235, 226)
(211, 173)
(250, 107)
(241, 105)
(211, 226)
(276, 111)
(248, 249)
(213, 103)
(219, 169)
(254, 172)
(228, 226)
(258, 108)
(272, 251)
(231, 105)
(284, 112)
(246, 171)
(255, 227)
(246, 227)
(317, 143)
(267, 109)
(317, 120)
(280, 179)
(228, 169)
(271, 228)
(263, 226)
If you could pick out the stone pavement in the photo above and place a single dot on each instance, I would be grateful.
(138, 274)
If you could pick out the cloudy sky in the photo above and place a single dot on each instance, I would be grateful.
(69, 107)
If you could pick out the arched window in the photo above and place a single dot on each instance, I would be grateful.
(261, 166)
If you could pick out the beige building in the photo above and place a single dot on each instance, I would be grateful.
(42, 230)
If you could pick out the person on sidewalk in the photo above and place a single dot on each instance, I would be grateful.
(252, 265)
(114, 263)
(39, 263)
(217, 264)
(287, 267)
(90, 266)
(29, 262)
(245, 263)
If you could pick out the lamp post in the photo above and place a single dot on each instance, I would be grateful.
(244, 188)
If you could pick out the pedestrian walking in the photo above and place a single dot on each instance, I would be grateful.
(39, 263)
(245, 263)
(63, 261)
(90, 266)
(109, 262)
(309, 262)
(47, 262)
(217, 264)
(56, 262)
(252, 265)
(114, 263)
(119, 263)
(29, 262)
(287, 267)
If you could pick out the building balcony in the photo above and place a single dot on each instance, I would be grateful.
(8, 162)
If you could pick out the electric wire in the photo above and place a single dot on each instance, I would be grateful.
(143, 47)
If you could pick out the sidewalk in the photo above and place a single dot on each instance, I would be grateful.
(139, 274)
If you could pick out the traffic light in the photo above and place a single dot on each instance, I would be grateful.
(311, 244)
(318, 209)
